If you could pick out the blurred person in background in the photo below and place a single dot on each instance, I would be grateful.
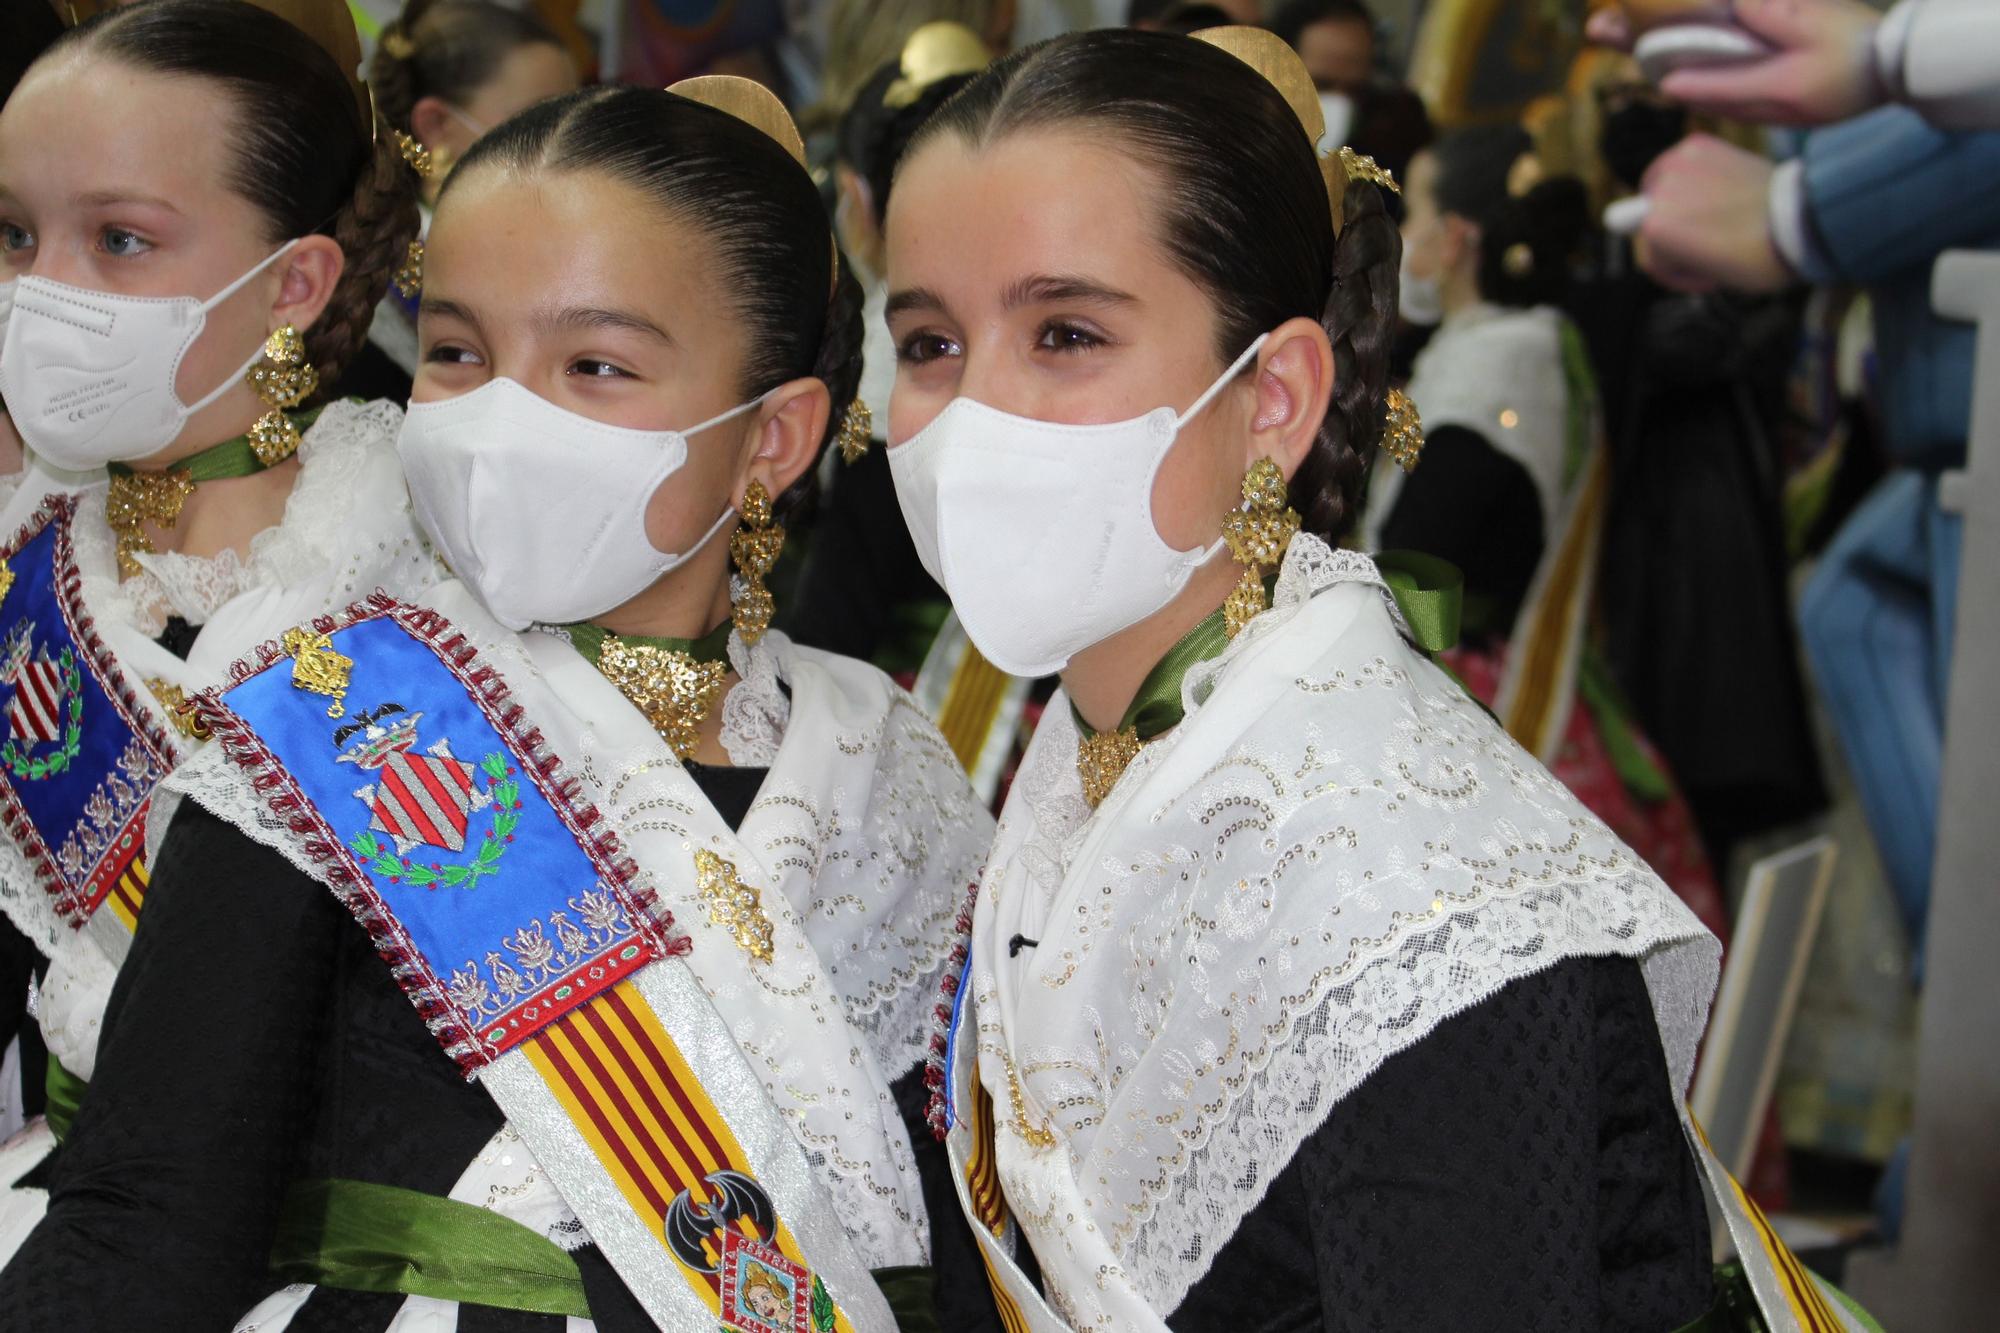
(444, 73)
(1364, 109)
(1869, 201)
(1513, 482)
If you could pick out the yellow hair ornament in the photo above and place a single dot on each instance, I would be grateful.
(935, 51)
(750, 102)
(330, 23)
(758, 107)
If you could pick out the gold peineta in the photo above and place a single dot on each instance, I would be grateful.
(935, 51)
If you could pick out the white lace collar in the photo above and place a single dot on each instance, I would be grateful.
(1335, 851)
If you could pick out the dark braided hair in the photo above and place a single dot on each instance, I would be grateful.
(1244, 212)
(448, 49)
(741, 189)
(305, 154)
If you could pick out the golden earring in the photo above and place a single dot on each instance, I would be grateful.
(1402, 429)
(754, 547)
(1258, 535)
(284, 378)
(409, 279)
(855, 429)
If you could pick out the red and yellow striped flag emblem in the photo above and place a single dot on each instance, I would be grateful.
(618, 1075)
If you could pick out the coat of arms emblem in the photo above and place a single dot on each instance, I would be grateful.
(424, 799)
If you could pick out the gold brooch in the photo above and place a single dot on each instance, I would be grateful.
(174, 699)
(675, 692)
(1038, 1136)
(733, 905)
(317, 666)
(135, 498)
(1101, 760)
(6, 580)
(1402, 430)
(1363, 167)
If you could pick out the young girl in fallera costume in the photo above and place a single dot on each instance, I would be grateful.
(672, 893)
(232, 210)
(1299, 995)
(444, 73)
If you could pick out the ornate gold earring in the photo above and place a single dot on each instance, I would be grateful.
(284, 378)
(856, 427)
(754, 547)
(1258, 535)
(1402, 429)
(409, 279)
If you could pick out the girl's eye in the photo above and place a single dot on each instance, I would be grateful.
(450, 354)
(919, 348)
(15, 237)
(1059, 337)
(121, 243)
(591, 368)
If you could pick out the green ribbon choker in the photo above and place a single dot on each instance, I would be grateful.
(589, 640)
(222, 462)
(1430, 593)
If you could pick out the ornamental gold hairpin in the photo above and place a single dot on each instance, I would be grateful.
(935, 51)
(758, 107)
(1270, 55)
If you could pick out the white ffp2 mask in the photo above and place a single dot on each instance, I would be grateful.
(89, 376)
(540, 510)
(1042, 533)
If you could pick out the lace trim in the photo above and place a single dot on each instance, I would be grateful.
(1294, 1083)
(755, 712)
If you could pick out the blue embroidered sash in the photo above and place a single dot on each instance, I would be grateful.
(513, 921)
(79, 753)
(497, 902)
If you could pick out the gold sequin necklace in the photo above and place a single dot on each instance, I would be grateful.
(674, 682)
(137, 498)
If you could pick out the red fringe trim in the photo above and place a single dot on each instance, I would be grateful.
(488, 689)
(71, 903)
(938, 1112)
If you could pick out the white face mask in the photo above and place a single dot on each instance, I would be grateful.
(89, 376)
(540, 510)
(1041, 533)
(1420, 300)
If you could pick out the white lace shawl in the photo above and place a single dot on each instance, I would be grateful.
(1333, 853)
(862, 841)
(347, 530)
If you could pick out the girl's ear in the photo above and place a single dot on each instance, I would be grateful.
(1294, 385)
(791, 424)
(308, 274)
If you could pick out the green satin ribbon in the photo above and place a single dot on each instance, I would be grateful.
(1430, 593)
(1598, 692)
(710, 647)
(358, 1236)
(220, 462)
(64, 1091)
(1735, 1308)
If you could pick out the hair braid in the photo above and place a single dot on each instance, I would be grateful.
(1360, 320)
(838, 366)
(374, 229)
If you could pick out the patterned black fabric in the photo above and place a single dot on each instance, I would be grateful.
(1476, 507)
(178, 637)
(1522, 1167)
(254, 1038)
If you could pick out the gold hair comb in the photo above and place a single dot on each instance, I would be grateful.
(935, 51)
